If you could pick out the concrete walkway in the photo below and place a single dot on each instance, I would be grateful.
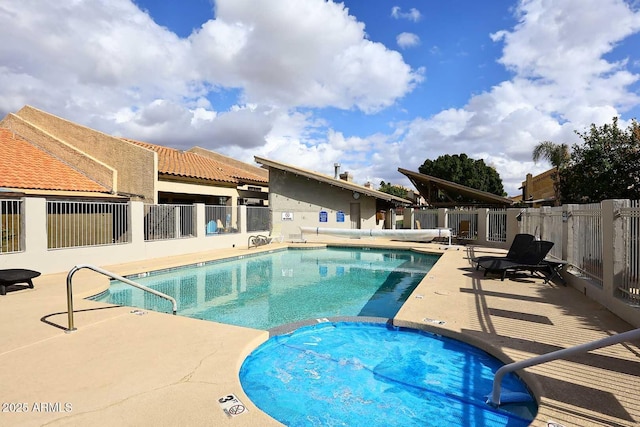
(122, 368)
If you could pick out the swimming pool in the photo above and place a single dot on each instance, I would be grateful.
(268, 290)
(367, 374)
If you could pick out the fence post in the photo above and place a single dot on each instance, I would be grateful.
(242, 220)
(442, 218)
(35, 227)
(545, 214)
(412, 218)
(200, 220)
(483, 226)
(612, 244)
(136, 211)
(567, 232)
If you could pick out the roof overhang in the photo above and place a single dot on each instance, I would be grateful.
(326, 179)
(29, 192)
(425, 184)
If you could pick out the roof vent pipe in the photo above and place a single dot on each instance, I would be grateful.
(336, 166)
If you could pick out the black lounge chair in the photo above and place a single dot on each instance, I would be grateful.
(519, 245)
(532, 260)
(16, 275)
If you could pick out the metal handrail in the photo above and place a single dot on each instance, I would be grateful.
(257, 240)
(558, 354)
(113, 276)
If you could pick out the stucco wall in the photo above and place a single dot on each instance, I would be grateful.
(136, 166)
(198, 189)
(297, 201)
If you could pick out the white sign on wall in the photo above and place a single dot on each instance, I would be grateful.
(287, 216)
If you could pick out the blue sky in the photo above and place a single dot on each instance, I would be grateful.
(374, 85)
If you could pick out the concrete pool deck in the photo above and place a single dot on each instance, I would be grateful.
(123, 368)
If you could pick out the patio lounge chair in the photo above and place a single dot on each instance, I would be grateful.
(519, 245)
(16, 275)
(531, 260)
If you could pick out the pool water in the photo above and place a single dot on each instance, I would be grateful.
(367, 374)
(269, 290)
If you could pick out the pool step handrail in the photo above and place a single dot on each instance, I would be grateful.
(71, 327)
(494, 399)
(258, 240)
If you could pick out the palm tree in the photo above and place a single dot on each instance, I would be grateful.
(558, 155)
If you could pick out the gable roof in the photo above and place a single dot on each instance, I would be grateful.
(24, 166)
(425, 183)
(326, 179)
(231, 161)
(191, 165)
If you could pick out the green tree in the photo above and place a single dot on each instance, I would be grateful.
(606, 166)
(464, 170)
(556, 154)
(394, 190)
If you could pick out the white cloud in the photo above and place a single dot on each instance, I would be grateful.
(277, 66)
(562, 82)
(99, 60)
(322, 59)
(413, 14)
(406, 40)
(110, 66)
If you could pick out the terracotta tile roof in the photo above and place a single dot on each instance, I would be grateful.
(23, 165)
(191, 165)
(252, 169)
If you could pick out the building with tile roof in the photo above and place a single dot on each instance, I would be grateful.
(177, 168)
(123, 167)
(27, 169)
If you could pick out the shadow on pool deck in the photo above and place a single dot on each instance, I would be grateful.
(123, 368)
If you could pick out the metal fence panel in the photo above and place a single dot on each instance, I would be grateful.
(587, 245)
(159, 222)
(187, 220)
(79, 224)
(552, 225)
(497, 225)
(218, 219)
(258, 218)
(425, 219)
(162, 222)
(629, 285)
(463, 223)
(10, 226)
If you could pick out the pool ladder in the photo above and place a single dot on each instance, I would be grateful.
(258, 240)
(494, 398)
(71, 327)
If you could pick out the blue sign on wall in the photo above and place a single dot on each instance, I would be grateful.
(340, 216)
(324, 216)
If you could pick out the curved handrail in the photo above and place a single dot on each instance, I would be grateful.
(257, 240)
(113, 276)
(558, 354)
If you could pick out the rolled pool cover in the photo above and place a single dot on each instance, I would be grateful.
(425, 235)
